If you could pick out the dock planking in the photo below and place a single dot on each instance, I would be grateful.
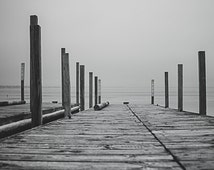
(13, 113)
(188, 136)
(117, 137)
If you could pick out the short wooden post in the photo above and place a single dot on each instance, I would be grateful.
(66, 85)
(22, 81)
(77, 83)
(82, 87)
(62, 54)
(35, 72)
(166, 90)
(95, 90)
(152, 91)
(90, 89)
(180, 87)
(99, 91)
(202, 82)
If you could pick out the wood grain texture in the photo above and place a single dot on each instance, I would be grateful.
(35, 73)
(188, 136)
(108, 139)
(13, 113)
(66, 85)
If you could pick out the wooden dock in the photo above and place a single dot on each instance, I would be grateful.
(117, 137)
(13, 113)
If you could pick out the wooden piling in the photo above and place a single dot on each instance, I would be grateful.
(77, 83)
(166, 90)
(33, 20)
(35, 72)
(82, 87)
(62, 53)
(152, 91)
(66, 85)
(90, 89)
(99, 91)
(180, 87)
(202, 82)
(95, 90)
(22, 81)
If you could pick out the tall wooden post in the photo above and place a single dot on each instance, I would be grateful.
(180, 87)
(22, 81)
(202, 83)
(152, 91)
(77, 83)
(95, 90)
(66, 85)
(99, 91)
(82, 87)
(35, 72)
(90, 89)
(62, 54)
(166, 90)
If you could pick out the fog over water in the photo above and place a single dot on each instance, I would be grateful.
(125, 42)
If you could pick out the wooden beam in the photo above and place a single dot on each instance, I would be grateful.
(95, 90)
(100, 106)
(166, 90)
(90, 89)
(66, 85)
(99, 91)
(202, 83)
(180, 87)
(35, 72)
(77, 83)
(62, 53)
(82, 87)
(152, 92)
(22, 81)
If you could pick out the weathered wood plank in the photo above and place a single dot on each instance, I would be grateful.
(188, 136)
(111, 138)
(15, 113)
(115, 139)
(86, 165)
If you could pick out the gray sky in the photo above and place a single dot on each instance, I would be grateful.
(125, 42)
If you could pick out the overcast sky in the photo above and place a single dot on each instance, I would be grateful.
(124, 42)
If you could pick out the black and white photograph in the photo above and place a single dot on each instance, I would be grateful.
(106, 85)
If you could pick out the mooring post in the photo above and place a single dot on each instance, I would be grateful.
(99, 91)
(82, 87)
(77, 83)
(202, 82)
(90, 89)
(166, 90)
(35, 72)
(152, 91)
(180, 87)
(95, 90)
(22, 81)
(62, 54)
(66, 85)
